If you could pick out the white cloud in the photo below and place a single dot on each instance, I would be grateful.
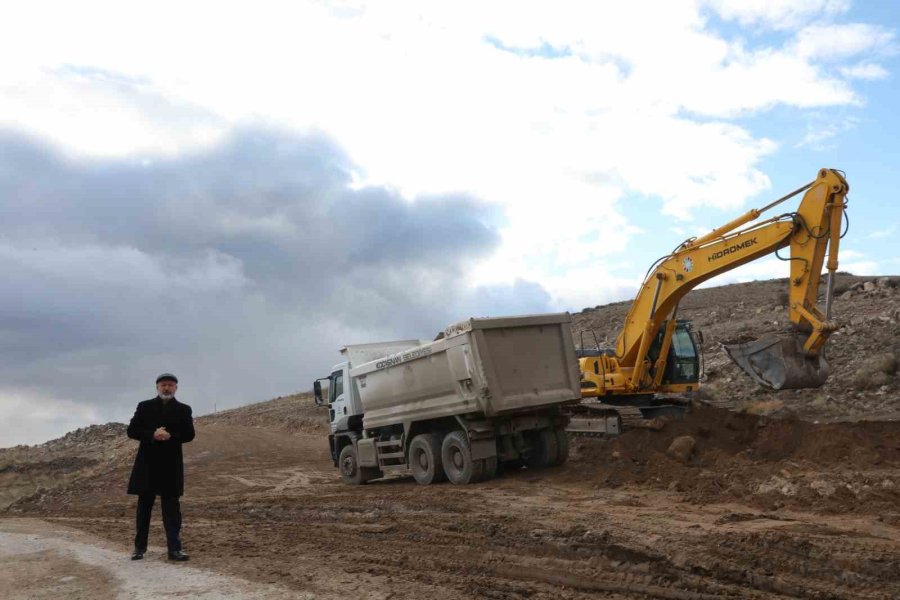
(883, 233)
(850, 254)
(842, 40)
(572, 106)
(778, 14)
(38, 418)
(820, 129)
(865, 71)
(863, 267)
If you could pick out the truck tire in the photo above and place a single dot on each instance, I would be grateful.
(544, 451)
(562, 446)
(425, 459)
(456, 455)
(351, 472)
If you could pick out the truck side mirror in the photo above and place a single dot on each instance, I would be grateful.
(317, 393)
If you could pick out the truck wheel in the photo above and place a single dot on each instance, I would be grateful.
(425, 459)
(562, 446)
(457, 457)
(545, 450)
(351, 472)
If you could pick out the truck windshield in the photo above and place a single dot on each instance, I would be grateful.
(337, 385)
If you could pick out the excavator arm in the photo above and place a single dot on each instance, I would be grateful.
(791, 361)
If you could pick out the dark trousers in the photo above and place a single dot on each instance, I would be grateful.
(171, 513)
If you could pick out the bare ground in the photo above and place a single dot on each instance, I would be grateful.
(621, 520)
(766, 506)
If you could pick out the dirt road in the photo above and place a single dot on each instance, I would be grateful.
(40, 560)
(267, 506)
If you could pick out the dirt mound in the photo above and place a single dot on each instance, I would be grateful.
(840, 467)
(294, 413)
(33, 471)
(86, 462)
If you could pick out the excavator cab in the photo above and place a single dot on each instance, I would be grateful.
(683, 360)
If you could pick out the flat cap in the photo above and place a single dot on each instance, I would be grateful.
(166, 377)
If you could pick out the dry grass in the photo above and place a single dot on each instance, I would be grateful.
(877, 372)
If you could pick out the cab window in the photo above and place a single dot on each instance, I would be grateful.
(685, 363)
(337, 385)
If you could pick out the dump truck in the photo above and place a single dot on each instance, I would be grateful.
(484, 395)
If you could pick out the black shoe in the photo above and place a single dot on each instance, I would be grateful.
(178, 555)
(138, 554)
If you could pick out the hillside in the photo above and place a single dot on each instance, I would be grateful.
(862, 354)
(766, 505)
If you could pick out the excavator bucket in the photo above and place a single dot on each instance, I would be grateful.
(779, 363)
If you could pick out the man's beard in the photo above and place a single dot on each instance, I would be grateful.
(167, 396)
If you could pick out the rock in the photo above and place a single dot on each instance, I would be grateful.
(681, 448)
(848, 294)
(886, 363)
(869, 286)
(823, 487)
(778, 485)
(886, 282)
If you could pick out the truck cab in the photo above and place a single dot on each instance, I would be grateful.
(344, 408)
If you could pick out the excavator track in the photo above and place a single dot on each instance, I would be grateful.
(599, 419)
(592, 419)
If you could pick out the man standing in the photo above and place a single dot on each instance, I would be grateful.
(162, 425)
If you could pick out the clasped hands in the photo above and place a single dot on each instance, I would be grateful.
(161, 434)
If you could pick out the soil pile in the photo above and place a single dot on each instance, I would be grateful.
(771, 463)
(294, 413)
(863, 353)
(33, 471)
(89, 460)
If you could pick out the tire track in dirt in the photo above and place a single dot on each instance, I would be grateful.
(268, 507)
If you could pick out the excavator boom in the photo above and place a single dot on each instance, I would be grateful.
(794, 360)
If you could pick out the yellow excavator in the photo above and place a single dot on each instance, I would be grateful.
(656, 353)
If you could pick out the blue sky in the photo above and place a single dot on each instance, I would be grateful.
(861, 139)
(233, 192)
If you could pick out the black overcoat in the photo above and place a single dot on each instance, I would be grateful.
(159, 466)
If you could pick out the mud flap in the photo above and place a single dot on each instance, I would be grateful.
(779, 363)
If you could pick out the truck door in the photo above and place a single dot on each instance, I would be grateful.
(338, 401)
